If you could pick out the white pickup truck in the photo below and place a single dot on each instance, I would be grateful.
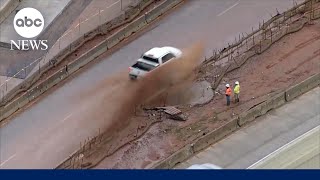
(151, 59)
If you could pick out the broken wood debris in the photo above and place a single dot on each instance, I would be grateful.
(172, 112)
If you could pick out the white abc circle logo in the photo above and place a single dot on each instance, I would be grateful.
(28, 22)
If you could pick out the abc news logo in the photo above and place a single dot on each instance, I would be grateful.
(29, 23)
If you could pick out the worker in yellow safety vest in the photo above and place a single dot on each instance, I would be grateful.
(236, 91)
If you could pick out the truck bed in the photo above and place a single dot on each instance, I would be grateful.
(143, 66)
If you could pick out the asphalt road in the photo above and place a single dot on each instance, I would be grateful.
(46, 133)
(267, 134)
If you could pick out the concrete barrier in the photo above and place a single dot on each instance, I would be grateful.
(42, 87)
(22, 101)
(87, 57)
(279, 99)
(101, 48)
(302, 87)
(74, 66)
(274, 102)
(293, 92)
(200, 144)
(251, 114)
(23, 86)
(116, 38)
(36, 91)
(312, 82)
(9, 109)
(167, 5)
(216, 135)
(56, 78)
(33, 94)
(261, 109)
(178, 157)
(159, 10)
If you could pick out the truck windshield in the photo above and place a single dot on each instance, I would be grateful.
(150, 59)
(143, 66)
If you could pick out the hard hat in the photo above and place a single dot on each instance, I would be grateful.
(237, 82)
(227, 85)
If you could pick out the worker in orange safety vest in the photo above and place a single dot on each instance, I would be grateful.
(228, 94)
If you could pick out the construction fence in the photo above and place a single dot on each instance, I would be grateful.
(235, 55)
(225, 60)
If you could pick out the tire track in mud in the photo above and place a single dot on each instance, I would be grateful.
(297, 48)
(300, 46)
(315, 55)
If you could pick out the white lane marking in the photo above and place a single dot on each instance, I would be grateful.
(229, 8)
(298, 139)
(112, 4)
(7, 160)
(67, 117)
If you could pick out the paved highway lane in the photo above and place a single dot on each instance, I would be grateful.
(51, 129)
